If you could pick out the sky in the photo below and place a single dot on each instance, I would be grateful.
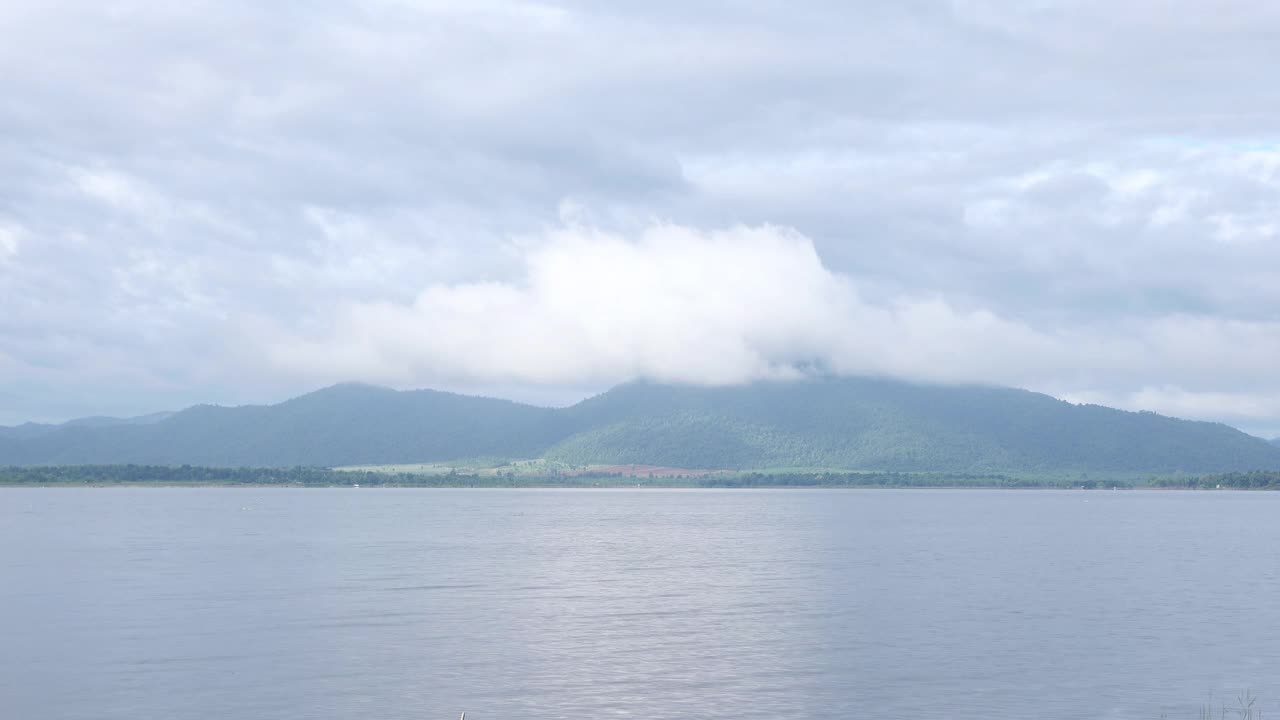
(236, 202)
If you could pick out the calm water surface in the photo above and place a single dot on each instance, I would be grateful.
(376, 603)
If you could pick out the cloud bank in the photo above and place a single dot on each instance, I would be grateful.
(677, 304)
(231, 201)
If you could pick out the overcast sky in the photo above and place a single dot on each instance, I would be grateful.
(237, 202)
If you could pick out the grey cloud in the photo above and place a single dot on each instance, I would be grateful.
(184, 182)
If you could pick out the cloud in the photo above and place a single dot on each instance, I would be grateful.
(10, 241)
(201, 200)
(675, 303)
(1248, 409)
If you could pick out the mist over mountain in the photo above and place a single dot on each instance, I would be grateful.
(847, 423)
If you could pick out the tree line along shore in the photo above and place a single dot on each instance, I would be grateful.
(98, 475)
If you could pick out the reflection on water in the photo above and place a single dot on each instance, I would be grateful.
(204, 603)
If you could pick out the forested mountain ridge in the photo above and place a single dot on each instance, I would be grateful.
(846, 423)
(338, 425)
(889, 425)
(32, 429)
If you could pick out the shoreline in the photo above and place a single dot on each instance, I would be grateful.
(619, 486)
(504, 477)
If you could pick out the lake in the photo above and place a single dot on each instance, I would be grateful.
(145, 603)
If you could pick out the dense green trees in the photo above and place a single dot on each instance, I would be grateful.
(886, 480)
(324, 477)
(198, 475)
(163, 474)
(1256, 480)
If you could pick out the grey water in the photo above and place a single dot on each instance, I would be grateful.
(396, 604)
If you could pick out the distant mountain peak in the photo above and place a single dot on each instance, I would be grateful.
(33, 429)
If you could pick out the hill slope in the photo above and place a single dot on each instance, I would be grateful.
(837, 423)
(31, 429)
(887, 425)
(343, 424)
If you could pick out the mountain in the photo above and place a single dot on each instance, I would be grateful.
(32, 429)
(1275, 441)
(848, 423)
(104, 421)
(343, 424)
(889, 425)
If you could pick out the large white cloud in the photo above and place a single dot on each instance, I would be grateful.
(673, 303)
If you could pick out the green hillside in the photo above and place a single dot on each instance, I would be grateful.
(888, 425)
(859, 424)
(341, 425)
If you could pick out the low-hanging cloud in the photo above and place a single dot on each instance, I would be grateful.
(679, 304)
(672, 304)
